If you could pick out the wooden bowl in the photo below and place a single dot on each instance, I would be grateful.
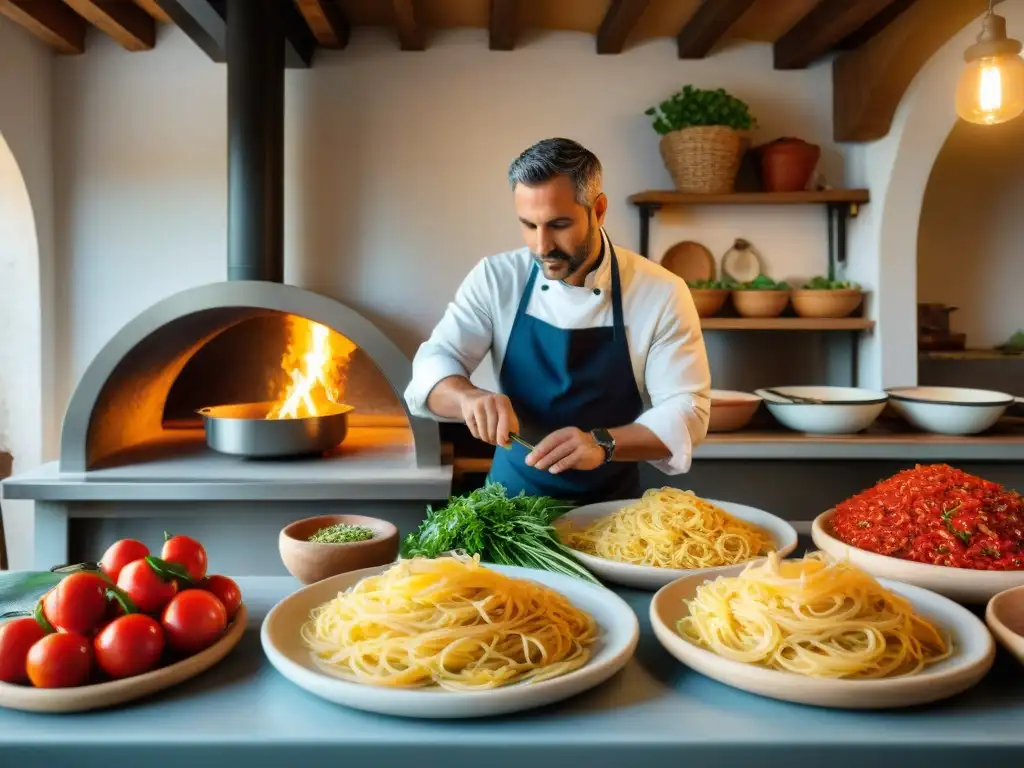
(754, 303)
(731, 410)
(114, 692)
(811, 303)
(310, 561)
(708, 300)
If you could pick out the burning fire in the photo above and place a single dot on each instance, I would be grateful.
(315, 360)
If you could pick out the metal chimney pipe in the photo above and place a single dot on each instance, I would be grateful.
(255, 63)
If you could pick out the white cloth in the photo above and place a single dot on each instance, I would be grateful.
(663, 330)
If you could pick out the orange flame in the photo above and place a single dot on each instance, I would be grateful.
(316, 360)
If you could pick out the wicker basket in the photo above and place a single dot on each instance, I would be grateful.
(702, 159)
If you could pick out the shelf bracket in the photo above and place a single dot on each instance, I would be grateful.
(838, 214)
(647, 211)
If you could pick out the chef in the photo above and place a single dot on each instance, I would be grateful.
(597, 352)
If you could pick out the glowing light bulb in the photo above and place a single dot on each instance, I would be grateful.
(991, 88)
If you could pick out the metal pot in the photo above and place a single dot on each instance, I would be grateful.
(242, 429)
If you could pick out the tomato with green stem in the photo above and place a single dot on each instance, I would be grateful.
(226, 590)
(59, 660)
(78, 604)
(119, 554)
(149, 590)
(129, 645)
(16, 639)
(195, 619)
(186, 552)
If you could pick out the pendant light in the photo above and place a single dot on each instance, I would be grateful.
(991, 88)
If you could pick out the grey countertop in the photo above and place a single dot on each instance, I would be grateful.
(655, 712)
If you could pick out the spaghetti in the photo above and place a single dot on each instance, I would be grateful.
(813, 617)
(449, 622)
(670, 528)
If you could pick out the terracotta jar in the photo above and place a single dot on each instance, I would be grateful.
(787, 164)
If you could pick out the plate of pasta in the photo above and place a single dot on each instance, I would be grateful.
(668, 533)
(449, 637)
(823, 632)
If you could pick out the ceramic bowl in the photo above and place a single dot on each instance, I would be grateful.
(310, 561)
(731, 410)
(708, 301)
(1005, 617)
(812, 303)
(950, 410)
(964, 585)
(843, 410)
(754, 303)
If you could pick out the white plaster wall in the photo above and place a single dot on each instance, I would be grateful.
(395, 167)
(28, 426)
(970, 247)
(897, 169)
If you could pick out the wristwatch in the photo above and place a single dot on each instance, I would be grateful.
(604, 439)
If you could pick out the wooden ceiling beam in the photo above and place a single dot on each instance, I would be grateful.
(869, 83)
(327, 22)
(619, 20)
(707, 26)
(154, 10)
(502, 25)
(822, 29)
(300, 42)
(49, 20)
(411, 34)
(127, 24)
(874, 25)
(203, 24)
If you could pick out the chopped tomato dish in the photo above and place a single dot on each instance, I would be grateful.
(939, 515)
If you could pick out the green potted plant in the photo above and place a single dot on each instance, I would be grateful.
(709, 295)
(702, 138)
(761, 297)
(822, 297)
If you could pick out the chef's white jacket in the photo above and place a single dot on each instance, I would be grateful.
(670, 362)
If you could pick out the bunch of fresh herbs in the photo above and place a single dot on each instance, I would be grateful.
(821, 283)
(763, 283)
(692, 106)
(711, 285)
(502, 529)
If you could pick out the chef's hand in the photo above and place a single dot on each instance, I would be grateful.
(567, 448)
(489, 416)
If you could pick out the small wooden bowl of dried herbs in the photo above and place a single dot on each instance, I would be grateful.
(315, 548)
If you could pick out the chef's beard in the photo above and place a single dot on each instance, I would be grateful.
(566, 264)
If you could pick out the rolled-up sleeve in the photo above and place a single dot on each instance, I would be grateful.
(678, 383)
(458, 343)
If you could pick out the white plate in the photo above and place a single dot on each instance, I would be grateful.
(975, 652)
(283, 646)
(965, 585)
(651, 577)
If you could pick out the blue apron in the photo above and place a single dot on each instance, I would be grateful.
(557, 378)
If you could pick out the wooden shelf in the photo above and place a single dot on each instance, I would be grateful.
(786, 324)
(668, 197)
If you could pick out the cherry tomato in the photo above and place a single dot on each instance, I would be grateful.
(119, 554)
(226, 590)
(188, 552)
(78, 604)
(148, 591)
(195, 619)
(59, 660)
(129, 645)
(16, 638)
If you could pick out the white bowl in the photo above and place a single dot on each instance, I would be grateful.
(950, 410)
(650, 577)
(1004, 615)
(286, 651)
(845, 410)
(973, 657)
(965, 585)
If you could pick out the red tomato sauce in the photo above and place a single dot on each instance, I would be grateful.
(939, 515)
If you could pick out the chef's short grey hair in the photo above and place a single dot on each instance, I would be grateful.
(559, 157)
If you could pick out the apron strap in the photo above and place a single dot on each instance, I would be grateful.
(618, 321)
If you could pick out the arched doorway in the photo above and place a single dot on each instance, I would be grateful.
(897, 169)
